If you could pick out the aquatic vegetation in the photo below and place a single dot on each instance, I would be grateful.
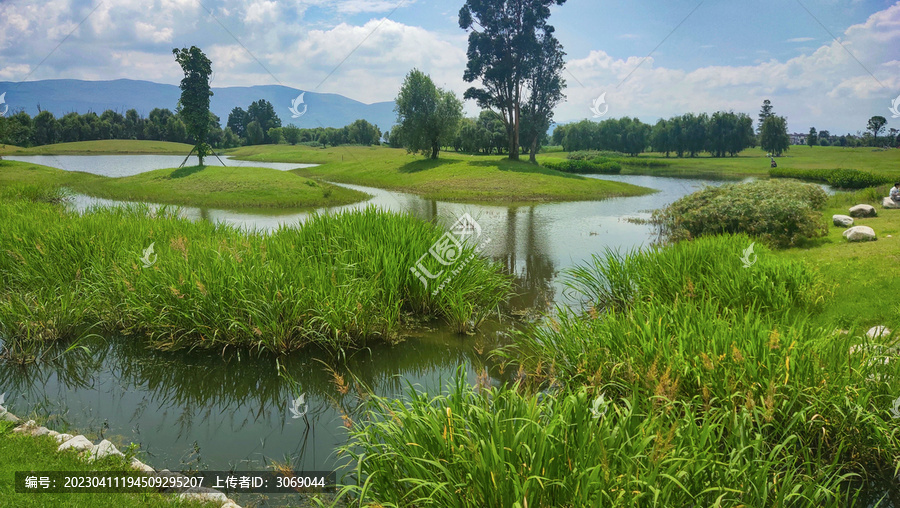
(688, 379)
(337, 281)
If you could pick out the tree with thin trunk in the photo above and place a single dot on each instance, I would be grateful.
(195, 94)
(427, 116)
(764, 112)
(876, 124)
(773, 136)
(503, 44)
(545, 85)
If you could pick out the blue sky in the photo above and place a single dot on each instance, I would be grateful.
(725, 55)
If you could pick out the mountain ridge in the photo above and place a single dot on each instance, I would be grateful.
(61, 96)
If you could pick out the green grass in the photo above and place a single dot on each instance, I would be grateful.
(718, 389)
(453, 177)
(864, 274)
(26, 453)
(338, 281)
(234, 188)
(753, 162)
(102, 147)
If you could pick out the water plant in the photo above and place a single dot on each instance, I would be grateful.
(338, 280)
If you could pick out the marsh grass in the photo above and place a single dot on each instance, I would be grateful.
(720, 390)
(337, 281)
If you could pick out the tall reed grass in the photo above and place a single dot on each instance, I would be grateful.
(337, 281)
(717, 390)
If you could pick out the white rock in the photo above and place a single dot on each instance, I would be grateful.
(62, 438)
(887, 202)
(53, 433)
(207, 496)
(26, 427)
(877, 332)
(8, 417)
(844, 221)
(79, 443)
(860, 234)
(40, 431)
(863, 211)
(231, 504)
(140, 466)
(105, 449)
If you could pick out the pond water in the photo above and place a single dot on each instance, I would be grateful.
(129, 165)
(206, 411)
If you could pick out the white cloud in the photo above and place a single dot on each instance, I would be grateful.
(801, 39)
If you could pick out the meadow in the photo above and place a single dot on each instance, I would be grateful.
(231, 188)
(453, 177)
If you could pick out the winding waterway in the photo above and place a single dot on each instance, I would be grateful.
(205, 411)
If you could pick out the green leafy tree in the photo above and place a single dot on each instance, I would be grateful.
(237, 121)
(264, 114)
(45, 128)
(876, 124)
(195, 94)
(545, 85)
(773, 136)
(812, 139)
(428, 116)
(504, 48)
(291, 134)
(764, 112)
(255, 134)
(659, 137)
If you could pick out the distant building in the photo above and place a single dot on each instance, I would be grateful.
(798, 139)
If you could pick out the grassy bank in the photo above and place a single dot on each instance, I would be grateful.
(234, 188)
(102, 147)
(864, 274)
(687, 380)
(453, 177)
(338, 281)
(26, 453)
(753, 162)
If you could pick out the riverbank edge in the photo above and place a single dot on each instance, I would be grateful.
(105, 449)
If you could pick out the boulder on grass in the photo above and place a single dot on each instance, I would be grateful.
(844, 221)
(860, 234)
(863, 211)
(887, 202)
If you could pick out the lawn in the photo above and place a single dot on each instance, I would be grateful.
(26, 453)
(753, 162)
(236, 188)
(452, 177)
(865, 273)
(102, 147)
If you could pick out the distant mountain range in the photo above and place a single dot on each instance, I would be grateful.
(61, 96)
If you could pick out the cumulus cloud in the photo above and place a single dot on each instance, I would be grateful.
(828, 87)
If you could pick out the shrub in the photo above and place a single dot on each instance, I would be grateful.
(582, 155)
(839, 178)
(781, 213)
(598, 166)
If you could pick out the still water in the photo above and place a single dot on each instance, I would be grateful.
(130, 165)
(206, 411)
